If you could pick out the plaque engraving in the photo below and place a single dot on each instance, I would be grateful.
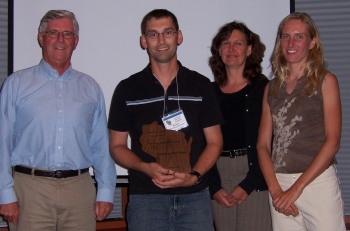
(170, 148)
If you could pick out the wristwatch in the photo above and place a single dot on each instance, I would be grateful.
(199, 176)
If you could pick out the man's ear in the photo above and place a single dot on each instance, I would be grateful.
(143, 42)
(180, 38)
(76, 41)
(40, 39)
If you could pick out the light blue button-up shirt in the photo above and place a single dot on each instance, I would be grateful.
(54, 122)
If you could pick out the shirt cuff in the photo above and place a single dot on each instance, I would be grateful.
(105, 195)
(7, 196)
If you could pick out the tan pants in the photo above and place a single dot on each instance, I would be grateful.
(253, 214)
(321, 206)
(47, 204)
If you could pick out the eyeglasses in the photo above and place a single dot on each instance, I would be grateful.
(166, 34)
(55, 34)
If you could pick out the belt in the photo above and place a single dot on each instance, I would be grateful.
(235, 153)
(47, 173)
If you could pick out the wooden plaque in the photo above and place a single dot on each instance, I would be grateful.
(170, 148)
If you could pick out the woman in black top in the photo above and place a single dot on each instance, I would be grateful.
(236, 183)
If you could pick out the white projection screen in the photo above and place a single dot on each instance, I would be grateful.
(109, 48)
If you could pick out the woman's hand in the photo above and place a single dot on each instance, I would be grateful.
(221, 198)
(238, 195)
(284, 202)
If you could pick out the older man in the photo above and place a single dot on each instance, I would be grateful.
(52, 129)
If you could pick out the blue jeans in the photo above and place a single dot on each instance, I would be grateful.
(161, 212)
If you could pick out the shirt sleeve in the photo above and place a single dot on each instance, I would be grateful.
(214, 181)
(103, 164)
(119, 118)
(7, 123)
(252, 180)
(210, 111)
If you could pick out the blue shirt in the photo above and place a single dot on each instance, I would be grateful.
(54, 122)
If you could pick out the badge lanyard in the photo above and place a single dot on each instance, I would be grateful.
(176, 119)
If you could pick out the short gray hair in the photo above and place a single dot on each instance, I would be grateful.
(57, 14)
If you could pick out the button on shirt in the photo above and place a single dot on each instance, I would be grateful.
(54, 122)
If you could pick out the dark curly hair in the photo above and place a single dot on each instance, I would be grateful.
(252, 67)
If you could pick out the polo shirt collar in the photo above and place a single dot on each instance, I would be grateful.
(149, 73)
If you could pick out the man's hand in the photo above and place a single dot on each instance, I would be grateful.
(156, 171)
(10, 212)
(178, 179)
(221, 198)
(238, 195)
(102, 209)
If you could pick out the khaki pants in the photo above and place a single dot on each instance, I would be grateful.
(47, 204)
(253, 214)
(320, 205)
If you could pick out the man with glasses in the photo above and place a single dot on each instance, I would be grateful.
(173, 120)
(53, 129)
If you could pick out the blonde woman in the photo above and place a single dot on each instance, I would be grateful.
(302, 110)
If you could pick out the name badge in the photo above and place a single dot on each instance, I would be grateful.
(175, 121)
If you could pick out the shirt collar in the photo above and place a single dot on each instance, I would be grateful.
(148, 70)
(51, 73)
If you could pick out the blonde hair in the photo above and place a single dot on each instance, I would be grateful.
(315, 66)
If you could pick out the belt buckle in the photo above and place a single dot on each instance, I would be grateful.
(232, 152)
(59, 174)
